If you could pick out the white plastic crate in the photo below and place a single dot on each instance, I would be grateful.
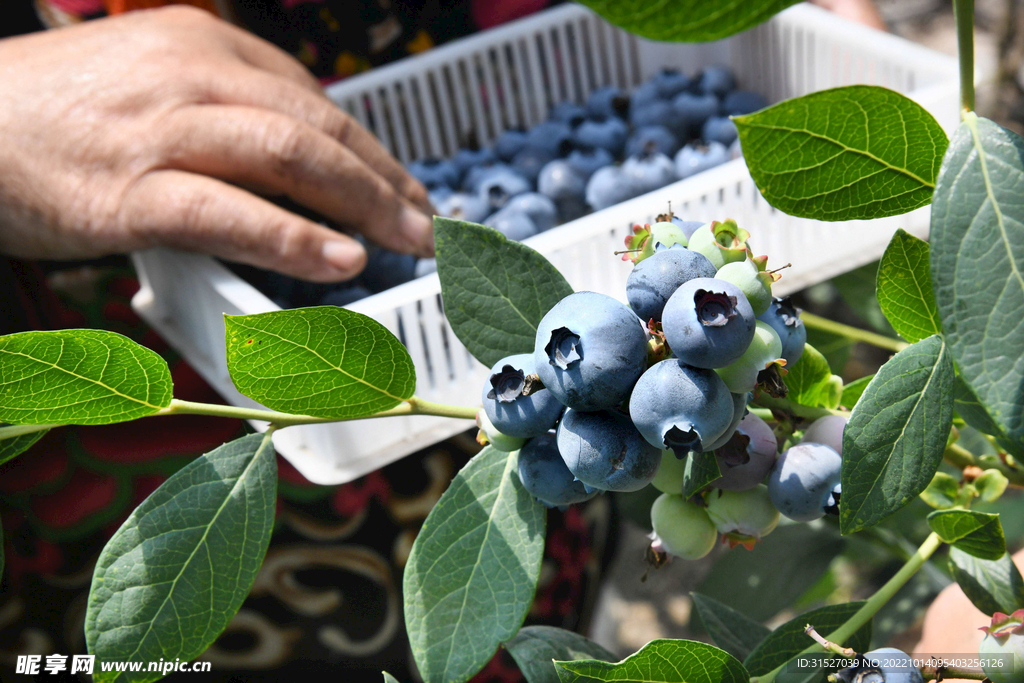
(509, 77)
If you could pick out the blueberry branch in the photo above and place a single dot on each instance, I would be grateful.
(785, 405)
(850, 332)
(829, 645)
(961, 458)
(964, 12)
(412, 406)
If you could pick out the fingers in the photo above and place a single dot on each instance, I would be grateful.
(268, 91)
(275, 154)
(186, 211)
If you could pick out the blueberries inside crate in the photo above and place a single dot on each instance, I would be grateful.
(585, 157)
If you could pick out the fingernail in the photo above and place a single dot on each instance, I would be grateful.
(346, 256)
(418, 229)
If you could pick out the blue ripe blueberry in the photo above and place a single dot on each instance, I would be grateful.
(343, 296)
(545, 476)
(466, 159)
(784, 318)
(509, 144)
(489, 434)
(652, 139)
(719, 129)
(717, 80)
(747, 457)
(1002, 648)
(827, 430)
(529, 163)
(736, 149)
(497, 188)
(654, 279)
(608, 133)
(434, 172)
(506, 407)
(695, 158)
(386, 269)
(742, 517)
(739, 410)
(721, 241)
(464, 207)
(681, 528)
(610, 186)
(553, 137)
(649, 171)
(586, 161)
(687, 227)
(590, 350)
(694, 110)
(565, 187)
(439, 194)
(743, 102)
(670, 82)
(426, 266)
(604, 451)
(568, 112)
(679, 407)
(708, 323)
(473, 178)
(608, 101)
(541, 210)
(643, 96)
(659, 113)
(804, 482)
(884, 665)
(756, 365)
(513, 225)
(755, 282)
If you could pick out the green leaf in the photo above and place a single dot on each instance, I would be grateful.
(856, 152)
(991, 485)
(977, 533)
(858, 289)
(174, 575)
(388, 678)
(326, 361)
(967, 406)
(536, 647)
(473, 569)
(83, 377)
(992, 585)
(495, 291)
(941, 492)
(905, 288)
(701, 469)
(661, 661)
(835, 347)
(854, 390)
(686, 21)
(809, 379)
(894, 441)
(16, 444)
(789, 640)
(732, 631)
(977, 264)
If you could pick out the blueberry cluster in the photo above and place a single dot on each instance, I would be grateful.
(616, 397)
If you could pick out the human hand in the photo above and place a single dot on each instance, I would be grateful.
(158, 128)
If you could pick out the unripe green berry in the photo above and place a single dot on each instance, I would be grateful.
(682, 528)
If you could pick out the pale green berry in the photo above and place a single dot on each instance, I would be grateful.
(682, 528)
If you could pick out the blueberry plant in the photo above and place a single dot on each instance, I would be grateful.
(703, 386)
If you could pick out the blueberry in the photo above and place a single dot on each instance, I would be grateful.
(827, 430)
(590, 349)
(529, 162)
(565, 187)
(721, 241)
(695, 158)
(708, 322)
(743, 102)
(426, 266)
(608, 101)
(386, 269)
(511, 412)
(681, 528)
(509, 144)
(670, 82)
(644, 95)
(464, 207)
(475, 176)
(885, 665)
(586, 161)
(652, 139)
(607, 133)
(666, 235)
(553, 137)
(654, 279)
(719, 129)
(1002, 649)
(604, 451)
(694, 110)
(541, 210)
(545, 476)
(687, 227)
(755, 283)
(568, 112)
(739, 410)
(466, 159)
(716, 80)
(499, 187)
(649, 171)
(743, 517)
(748, 456)
(669, 477)
(804, 480)
(736, 149)
(784, 318)
(514, 225)
(609, 186)
(439, 194)
(746, 372)
(343, 296)
(659, 113)
(434, 172)
(491, 435)
(679, 407)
